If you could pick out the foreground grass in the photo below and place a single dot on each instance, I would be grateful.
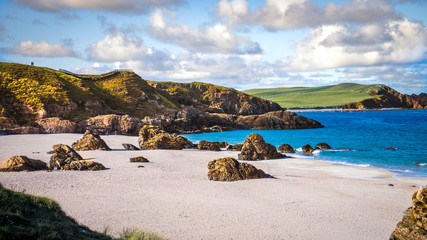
(24, 216)
(311, 97)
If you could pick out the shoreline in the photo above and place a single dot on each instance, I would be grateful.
(171, 195)
(303, 110)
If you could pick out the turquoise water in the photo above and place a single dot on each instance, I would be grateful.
(366, 133)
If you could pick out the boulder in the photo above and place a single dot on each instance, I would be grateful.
(255, 148)
(90, 142)
(129, 146)
(139, 159)
(63, 155)
(237, 147)
(152, 137)
(211, 146)
(307, 149)
(323, 145)
(22, 163)
(57, 125)
(413, 225)
(229, 169)
(83, 165)
(286, 148)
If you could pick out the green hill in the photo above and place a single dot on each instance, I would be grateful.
(311, 97)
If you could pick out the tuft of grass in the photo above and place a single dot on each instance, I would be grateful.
(136, 234)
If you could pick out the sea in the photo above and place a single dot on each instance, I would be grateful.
(366, 133)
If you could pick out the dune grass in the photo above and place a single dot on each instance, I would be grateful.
(311, 97)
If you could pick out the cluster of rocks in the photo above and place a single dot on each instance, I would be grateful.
(152, 137)
(307, 149)
(65, 158)
(229, 169)
(413, 225)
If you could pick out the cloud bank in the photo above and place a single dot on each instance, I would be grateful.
(40, 49)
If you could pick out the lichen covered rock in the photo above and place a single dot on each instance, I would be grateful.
(286, 148)
(65, 158)
(211, 146)
(307, 149)
(414, 222)
(90, 142)
(255, 148)
(84, 165)
(139, 159)
(22, 163)
(229, 169)
(152, 137)
(323, 145)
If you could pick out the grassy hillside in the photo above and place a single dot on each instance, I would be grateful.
(310, 97)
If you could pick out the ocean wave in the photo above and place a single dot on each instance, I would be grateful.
(351, 164)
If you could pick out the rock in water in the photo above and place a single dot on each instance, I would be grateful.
(129, 146)
(414, 222)
(255, 148)
(307, 149)
(323, 146)
(152, 137)
(229, 169)
(65, 158)
(22, 163)
(286, 148)
(211, 146)
(139, 159)
(90, 142)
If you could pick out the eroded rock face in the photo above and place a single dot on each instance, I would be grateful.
(90, 142)
(286, 148)
(414, 222)
(229, 169)
(65, 158)
(22, 163)
(111, 124)
(323, 146)
(57, 125)
(255, 148)
(307, 149)
(152, 137)
(211, 146)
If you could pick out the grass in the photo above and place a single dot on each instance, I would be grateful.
(23, 216)
(311, 97)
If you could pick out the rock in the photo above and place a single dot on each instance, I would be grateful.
(286, 148)
(307, 149)
(255, 148)
(346, 149)
(211, 146)
(235, 147)
(413, 225)
(109, 124)
(229, 169)
(139, 159)
(151, 137)
(391, 185)
(90, 142)
(129, 146)
(390, 148)
(417, 163)
(63, 155)
(22, 163)
(57, 125)
(323, 145)
(84, 165)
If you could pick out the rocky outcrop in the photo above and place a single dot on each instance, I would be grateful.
(323, 145)
(389, 98)
(129, 147)
(112, 124)
(90, 141)
(151, 137)
(286, 148)
(255, 148)
(211, 146)
(22, 163)
(57, 125)
(65, 158)
(414, 222)
(139, 159)
(229, 169)
(307, 149)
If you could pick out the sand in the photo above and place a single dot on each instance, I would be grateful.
(172, 196)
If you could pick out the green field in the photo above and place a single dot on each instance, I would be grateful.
(311, 97)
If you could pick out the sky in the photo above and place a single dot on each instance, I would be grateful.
(242, 44)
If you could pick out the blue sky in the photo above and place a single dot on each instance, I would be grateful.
(235, 43)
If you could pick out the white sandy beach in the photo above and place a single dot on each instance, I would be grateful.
(172, 196)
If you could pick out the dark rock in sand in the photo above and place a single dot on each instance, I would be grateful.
(139, 159)
(255, 148)
(286, 148)
(229, 169)
(413, 225)
(152, 137)
(84, 165)
(323, 146)
(211, 146)
(22, 163)
(90, 142)
(129, 146)
(307, 149)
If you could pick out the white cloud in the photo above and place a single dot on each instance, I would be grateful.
(279, 14)
(133, 6)
(213, 39)
(40, 49)
(333, 46)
